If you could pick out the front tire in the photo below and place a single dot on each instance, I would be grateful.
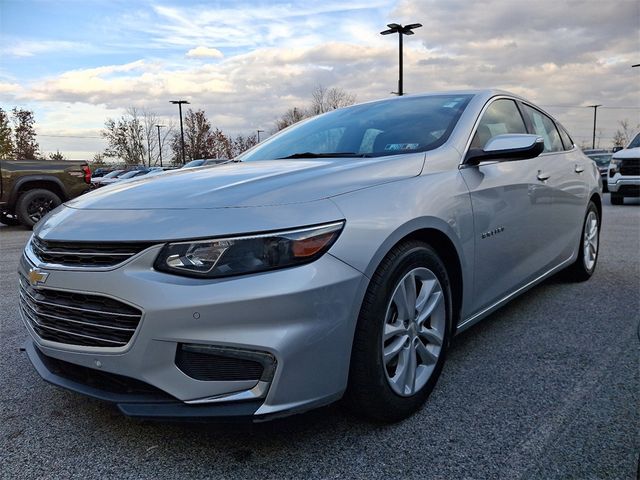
(584, 266)
(402, 334)
(35, 204)
(616, 199)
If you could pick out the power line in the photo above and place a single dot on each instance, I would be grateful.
(66, 136)
(589, 106)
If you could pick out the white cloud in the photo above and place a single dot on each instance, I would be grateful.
(554, 53)
(204, 52)
(29, 48)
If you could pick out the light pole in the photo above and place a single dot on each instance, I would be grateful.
(180, 103)
(259, 131)
(400, 30)
(595, 112)
(159, 143)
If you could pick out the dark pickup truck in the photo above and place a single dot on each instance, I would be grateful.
(29, 189)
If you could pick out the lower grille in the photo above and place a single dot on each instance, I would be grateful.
(87, 255)
(77, 318)
(104, 381)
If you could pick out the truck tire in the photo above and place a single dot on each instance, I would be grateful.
(34, 204)
(9, 220)
(616, 199)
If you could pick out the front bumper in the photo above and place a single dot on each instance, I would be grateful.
(304, 317)
(629, 186)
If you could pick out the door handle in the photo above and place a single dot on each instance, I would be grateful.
(543, 177)
(579, 168)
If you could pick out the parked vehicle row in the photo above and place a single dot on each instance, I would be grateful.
(337, 258)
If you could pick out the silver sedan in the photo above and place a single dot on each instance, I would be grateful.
(336, 259)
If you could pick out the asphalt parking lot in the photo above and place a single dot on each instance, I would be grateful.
(547, 387)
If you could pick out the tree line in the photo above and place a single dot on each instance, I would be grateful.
(134, 138)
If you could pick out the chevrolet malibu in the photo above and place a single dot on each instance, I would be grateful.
(336, 259)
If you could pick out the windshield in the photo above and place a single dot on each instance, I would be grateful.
(113, 174)
(193, 163)
(635, 143)
(388, 127)
(132, 173)
(601, 158)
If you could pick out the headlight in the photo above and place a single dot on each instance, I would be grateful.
(614, 166)
(223, 257)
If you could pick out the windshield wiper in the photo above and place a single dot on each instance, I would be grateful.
(323, 155)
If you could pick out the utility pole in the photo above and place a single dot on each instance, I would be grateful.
(401, 31)
(180, 103)
(595, 113)
(259, 134)
(159, 143)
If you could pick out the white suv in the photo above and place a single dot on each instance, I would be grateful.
(624, 172)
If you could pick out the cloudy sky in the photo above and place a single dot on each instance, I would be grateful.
(77, 62)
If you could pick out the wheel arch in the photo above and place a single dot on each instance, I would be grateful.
(595, 198)
(442, 238)
(31, 182)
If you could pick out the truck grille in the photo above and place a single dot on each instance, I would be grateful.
(630, 166)
(88, 255)
(78, 318)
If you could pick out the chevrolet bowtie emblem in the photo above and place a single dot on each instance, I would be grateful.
(36, 277)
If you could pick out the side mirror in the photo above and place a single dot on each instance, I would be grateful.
(616, 149)
(509, 146)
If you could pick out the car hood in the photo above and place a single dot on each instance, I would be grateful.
(250, 184)
(627, 153)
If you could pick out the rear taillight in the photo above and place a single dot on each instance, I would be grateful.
(87, 173)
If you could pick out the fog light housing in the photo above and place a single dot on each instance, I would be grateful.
(213, 363)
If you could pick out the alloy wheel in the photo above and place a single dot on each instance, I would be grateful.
(39, 207)
(414, 329)
(590, 242)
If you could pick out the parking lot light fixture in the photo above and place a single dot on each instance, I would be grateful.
(401, 31)
(180, 103)
(159, 142)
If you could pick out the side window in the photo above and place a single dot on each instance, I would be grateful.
(566, 139)
(502, 116)
(544, 127)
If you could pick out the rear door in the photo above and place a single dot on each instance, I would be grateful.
(511, 210)
(563, 168)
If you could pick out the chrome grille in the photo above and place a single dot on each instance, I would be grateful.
(630, 166)
(82, 254)
(78, 318)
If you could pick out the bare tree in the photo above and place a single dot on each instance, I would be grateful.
(324, 100)
(25, 144)
(241, 144)
(199, 138)
(623, 135)
(6, 142)
(291, 116)
(126, 138)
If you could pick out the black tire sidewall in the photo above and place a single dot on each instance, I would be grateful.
(380, 401)
(24, 200)
(589, 272)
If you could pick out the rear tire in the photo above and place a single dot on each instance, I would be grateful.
(402, 335)
(35, 204)
(616, 199)
(588, 249)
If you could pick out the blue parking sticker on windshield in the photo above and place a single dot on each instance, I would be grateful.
(401, 146)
